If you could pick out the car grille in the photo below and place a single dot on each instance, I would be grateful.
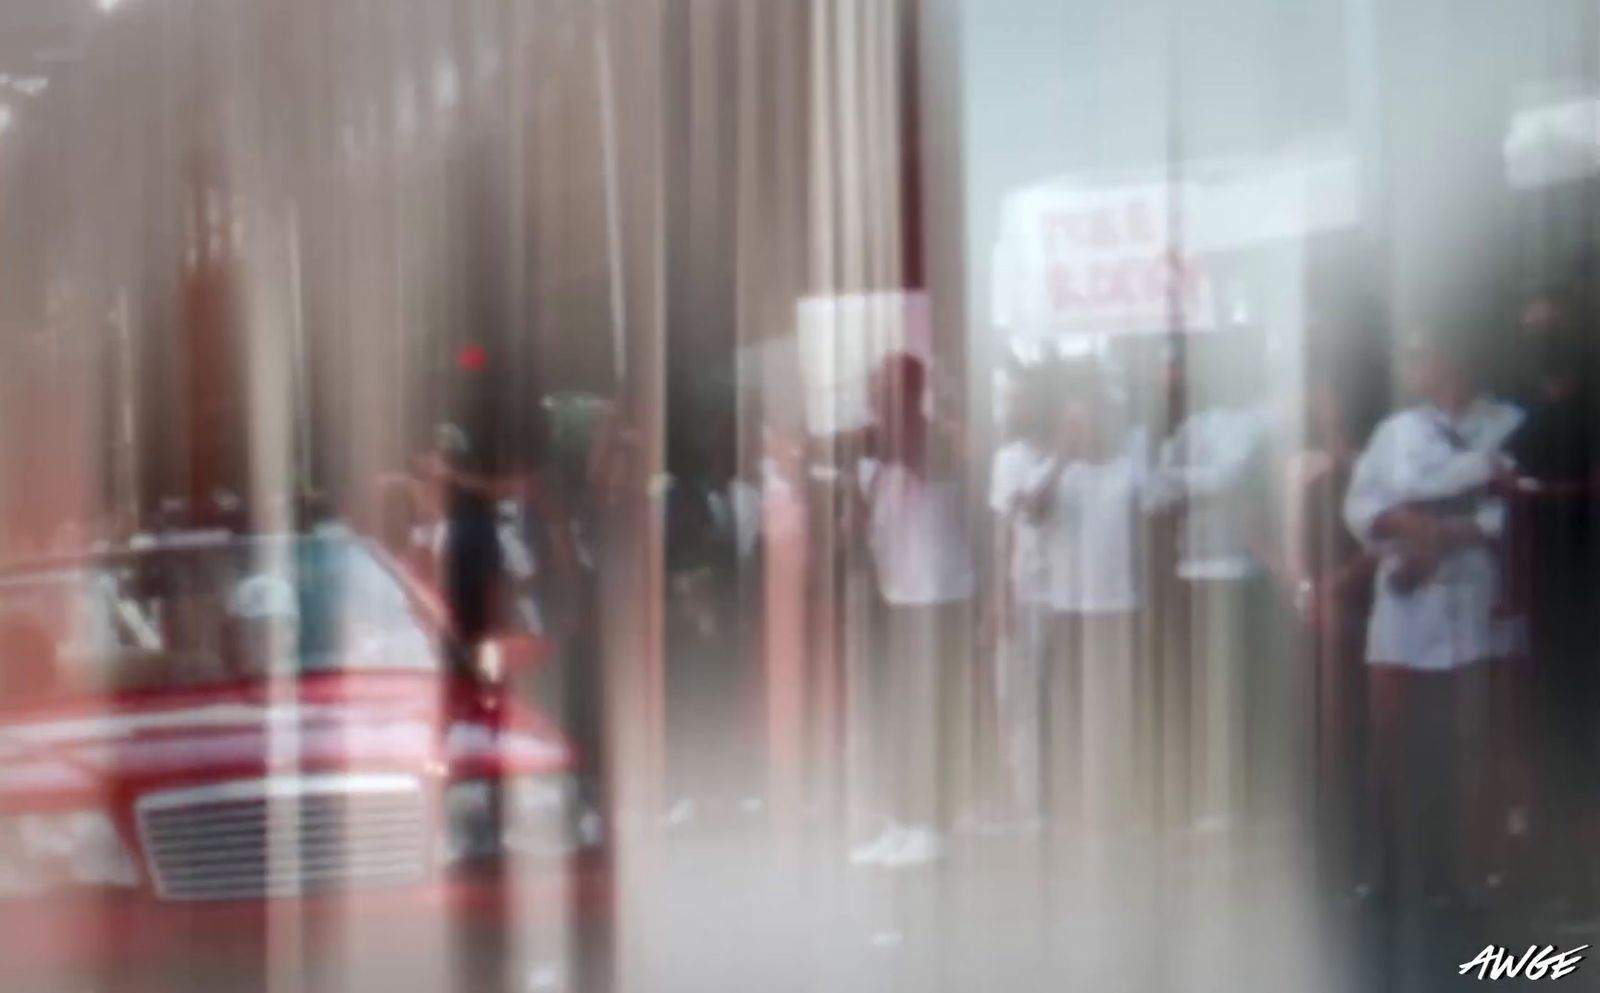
(284, 836)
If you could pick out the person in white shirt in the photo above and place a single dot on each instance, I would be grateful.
(911, 506)
(1210, 473)
(1423, 499)
(1018, 611)
(1088, 506)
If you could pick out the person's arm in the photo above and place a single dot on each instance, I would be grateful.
(1407, 525)
(434, 469)
(1376, 510)
(852, 488)
(1461, 474)
(1382, 514)
(1002, 505)
(1373, 511)
(1530, 489)
(1003, 593)
(1164, 484)
(1035, 500)
(1303, 472)
(614, 458)
(1356, 569)
(1267, 552)
(1226, 458)
(548, 504)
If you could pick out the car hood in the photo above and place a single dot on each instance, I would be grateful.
(345, 722)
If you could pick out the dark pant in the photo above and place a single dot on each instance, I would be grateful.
(1340, 742)
(1567, 701)
(472, 567)
(1429, 775)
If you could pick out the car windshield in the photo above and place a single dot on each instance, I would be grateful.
(243, 609)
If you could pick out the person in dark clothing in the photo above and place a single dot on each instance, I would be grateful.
(1328, 579)
(711, 521)
(469, 561)
(1555, 531)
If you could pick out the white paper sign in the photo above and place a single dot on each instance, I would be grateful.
(1101, 261)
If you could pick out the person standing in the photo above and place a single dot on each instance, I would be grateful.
(1088, 509)
(911, 505)
(1209, 473)
(1554, 534)
(1327, 577)
(468, 545)
(1017, 609)
(1422, 500)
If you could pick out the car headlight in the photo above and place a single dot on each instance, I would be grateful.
(42, 851)
(525, 815)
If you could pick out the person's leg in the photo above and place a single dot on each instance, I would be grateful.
(953, 741)
(1327, 740)
(1446, 780)
(1019, 692)
(1342, 739)
(1551, 868)
(1508, 761)
(1580, 760)
(1475, 783)
(1429, 829)
(1200, 689)
(1108, 721)
(1217, 664)
(1144, 649)
(878, 719)
(1064, 723)
(1383, 813)
(1578, 635)
(1570, 725)
(917, 692)
(1175, 728)
(931, 728)
(1280, 712)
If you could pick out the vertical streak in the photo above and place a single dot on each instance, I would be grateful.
(608, 164)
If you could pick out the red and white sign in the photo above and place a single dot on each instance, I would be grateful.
(1101, 261)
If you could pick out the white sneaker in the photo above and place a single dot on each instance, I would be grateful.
(919, 845)
(880, 850)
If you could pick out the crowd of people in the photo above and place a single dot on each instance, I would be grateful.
(1265, 613)
(1196, 604)
(1202, 604)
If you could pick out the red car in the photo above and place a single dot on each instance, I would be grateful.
(202, 731)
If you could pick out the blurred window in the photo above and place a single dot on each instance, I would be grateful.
(161, 617)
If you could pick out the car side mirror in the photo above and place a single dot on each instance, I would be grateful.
(499, 657)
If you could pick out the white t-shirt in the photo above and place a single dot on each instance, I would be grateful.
(918, 535)
(1207, 462)
(1091, 545)
(1017, 468)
